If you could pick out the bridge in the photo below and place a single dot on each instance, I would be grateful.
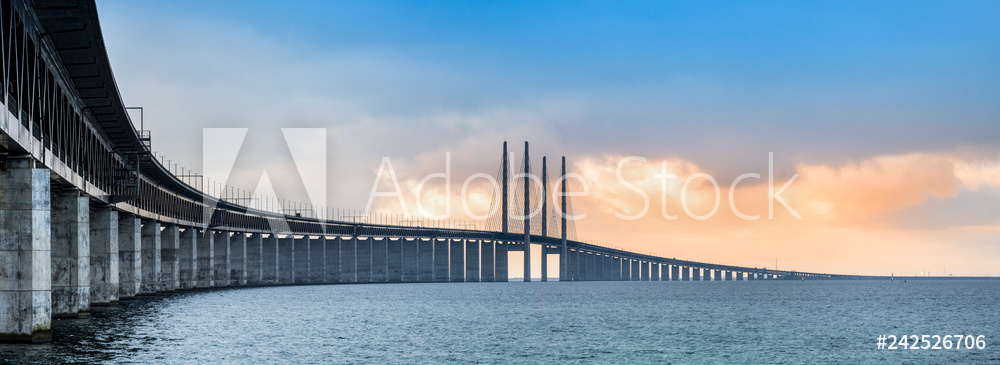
(88, 217)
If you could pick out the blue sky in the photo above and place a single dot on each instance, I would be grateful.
(873, 77)
(839, 88)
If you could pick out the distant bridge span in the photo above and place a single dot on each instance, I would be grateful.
(88, 217)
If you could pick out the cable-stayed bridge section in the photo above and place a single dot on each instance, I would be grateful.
(88, 217)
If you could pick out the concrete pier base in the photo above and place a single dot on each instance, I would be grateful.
(411, 260)
(70, 255)
(205, 269)
(103, 255)
(472, 261)
(588, 265)
(25, 256)
(601, 274)
(501, 268)
(269, 259)
(364, 260)
(332, 267)
(394, 260)
(254, 262)
(572, 262)
(487, 262)
(187, 256)
(286, 260)
(150, 257)
(129, 256)
(301, 262)
(238, 259)
(317, 260)
(348, 260)
(545, 262)
(456, 261)
(379, 248)
(170, 264)
(426, 260)
(440, 260)
(221, 239)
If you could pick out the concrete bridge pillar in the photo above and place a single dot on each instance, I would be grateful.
(426, 260)
(609, 267)
(129, 256)
(170, 265)
(286, 260)
(221, 239)
(545, 262)
(348, 260)
(187, 255)
(636, 270)
(703, 275)
(269, 259)
(333, 260)
(456, 261)
(675, 273)
(584, 265)
(717, 275)
(616, 268)
(440, 260)
(655, 274)
(70, 255)
(487, 262)
(238, 259)
(301, 260)
(411, 260)
(379, 259)
(25, 253)
(205, 270)
(729, 275)
(599, 274)
(150, 257)
(317, 260)
(686, 273)
(603, 267)
(592, 269)
(254, 263)
(104, 278)
(501, 262)
(364, 260)
(472, 260)
(644, 271)
(394, 260)
(572, 258)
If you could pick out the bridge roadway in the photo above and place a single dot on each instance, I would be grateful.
(87, 218)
